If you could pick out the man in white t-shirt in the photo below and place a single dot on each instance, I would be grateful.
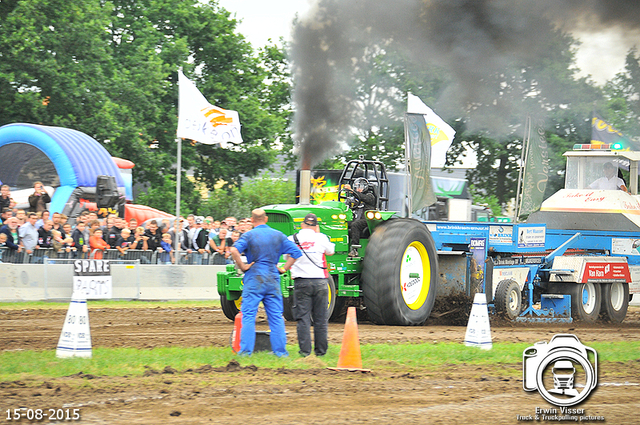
(311, 291)
(610, 181)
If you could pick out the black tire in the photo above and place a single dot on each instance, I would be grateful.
(586, 299)
(287, 302)
(400, 273)
(339, 310)
(230, 307)
(332, 296)
(508, 299)
(615, 302)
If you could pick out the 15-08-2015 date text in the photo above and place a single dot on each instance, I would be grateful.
(42, 414)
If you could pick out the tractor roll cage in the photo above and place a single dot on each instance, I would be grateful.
(374, 172)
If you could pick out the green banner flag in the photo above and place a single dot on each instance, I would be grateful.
(419, 157)
(536, 169)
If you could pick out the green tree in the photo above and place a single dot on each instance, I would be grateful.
(109, 69)
(201, 36)
(491, 201)
(622, 93)
(266, 189)
(494, 129)
(54, 62)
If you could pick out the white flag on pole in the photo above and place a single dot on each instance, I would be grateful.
(441, 133)
(201, 121)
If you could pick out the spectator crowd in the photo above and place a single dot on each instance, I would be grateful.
(25, 236)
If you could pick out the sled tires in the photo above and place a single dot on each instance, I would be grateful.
(508, 299)
(400, 272)
(586, 300)
(615, 302)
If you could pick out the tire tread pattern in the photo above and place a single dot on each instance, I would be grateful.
(501, 298)
(381, 273)
(607, 312)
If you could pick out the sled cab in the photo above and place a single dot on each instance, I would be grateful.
(601, 192)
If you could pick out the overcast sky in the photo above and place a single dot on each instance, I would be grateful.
(264, 19)
(602, 54)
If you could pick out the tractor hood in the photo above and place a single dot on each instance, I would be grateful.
(332, 216)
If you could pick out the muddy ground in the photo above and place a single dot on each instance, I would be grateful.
(454, 394)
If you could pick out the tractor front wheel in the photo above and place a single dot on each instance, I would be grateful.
(339, 310)
(230, 307)
(333, 296)
(287, 306)
(399, 273)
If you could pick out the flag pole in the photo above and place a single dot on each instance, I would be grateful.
(524, 154)
(176, 249)
(407, 204)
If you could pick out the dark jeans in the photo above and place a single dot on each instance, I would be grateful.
(311, 300)
(356, 228)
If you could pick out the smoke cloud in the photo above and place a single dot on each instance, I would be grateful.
(469, 39)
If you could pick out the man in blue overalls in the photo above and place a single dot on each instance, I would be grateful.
(263, 247)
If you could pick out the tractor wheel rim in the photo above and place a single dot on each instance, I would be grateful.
(588, 297)
(238, 303)
(415, 275)
(617, 296)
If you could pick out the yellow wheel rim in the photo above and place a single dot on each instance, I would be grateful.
(330, 294)
(415, 275)
(238, 303)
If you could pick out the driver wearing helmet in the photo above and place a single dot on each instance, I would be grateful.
(365, 201)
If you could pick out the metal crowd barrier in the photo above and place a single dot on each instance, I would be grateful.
(38, 256)
(195, 258)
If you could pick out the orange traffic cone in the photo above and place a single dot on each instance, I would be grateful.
(350, 357)
(235, 334)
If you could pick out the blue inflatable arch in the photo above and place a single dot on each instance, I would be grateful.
(78, 158)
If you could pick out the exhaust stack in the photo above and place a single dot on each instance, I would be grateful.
(305, 187)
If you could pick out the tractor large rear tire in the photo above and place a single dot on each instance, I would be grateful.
(400, 273)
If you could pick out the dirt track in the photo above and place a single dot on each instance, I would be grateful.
(456, 394)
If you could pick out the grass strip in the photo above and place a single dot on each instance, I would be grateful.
(17, 365)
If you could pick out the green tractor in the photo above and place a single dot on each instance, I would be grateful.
(394, 276)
